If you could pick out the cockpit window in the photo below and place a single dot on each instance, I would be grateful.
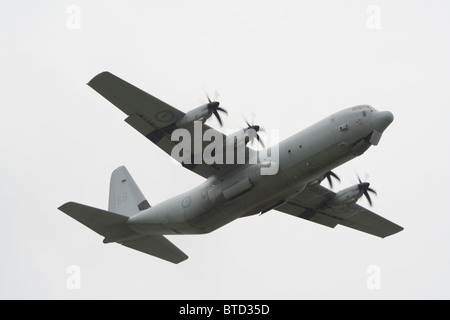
(364, 107)
(361, 107)
(364, 113)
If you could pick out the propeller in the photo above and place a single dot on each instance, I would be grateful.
(257, 129)
(329, 175)
(213, 107)
(365, 188)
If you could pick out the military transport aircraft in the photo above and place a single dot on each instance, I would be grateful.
(234, 190)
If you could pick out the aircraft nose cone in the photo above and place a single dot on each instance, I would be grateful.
(381, 120)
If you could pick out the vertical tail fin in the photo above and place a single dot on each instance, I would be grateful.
(125, 198)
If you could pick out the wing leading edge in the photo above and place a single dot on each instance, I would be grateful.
(310, 205)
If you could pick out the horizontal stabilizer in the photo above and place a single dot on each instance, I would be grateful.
(158, 246)
(103, 222)
(114, 228)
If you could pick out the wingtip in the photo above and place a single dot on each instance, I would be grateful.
(65, 205)
(400, 229)
(179, 261)
(100, 75)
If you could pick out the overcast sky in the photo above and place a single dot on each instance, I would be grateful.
(290, 63)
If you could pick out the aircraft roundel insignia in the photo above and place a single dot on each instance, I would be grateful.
(164, 116)
(186, 202)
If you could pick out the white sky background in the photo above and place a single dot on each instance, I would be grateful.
(290, 63)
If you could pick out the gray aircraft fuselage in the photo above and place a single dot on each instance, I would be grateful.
(304, 158)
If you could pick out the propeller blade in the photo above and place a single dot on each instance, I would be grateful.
(213, 107)
(215, 97)
(330, 182)
(330, 174)
(217, 116)
(365, 188)
(260, 140)
(222, 109)
(257, 129)
(334, 175)
(368, 197)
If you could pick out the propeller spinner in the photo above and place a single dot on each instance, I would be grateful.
(213, 107)
(257, 129)
(364, 187)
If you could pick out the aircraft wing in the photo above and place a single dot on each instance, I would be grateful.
(310, 205)
(153, 118)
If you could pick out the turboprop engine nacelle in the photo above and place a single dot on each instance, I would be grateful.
(345, 197)
(201, 113)
(241, 137)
